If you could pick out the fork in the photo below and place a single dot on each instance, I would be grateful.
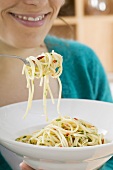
(18, 57)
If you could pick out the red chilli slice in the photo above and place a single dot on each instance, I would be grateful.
(102, 141)
(39, 58)
(54, 61)
(67, 134)
(75, 118)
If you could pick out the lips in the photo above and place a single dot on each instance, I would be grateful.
(30, 19)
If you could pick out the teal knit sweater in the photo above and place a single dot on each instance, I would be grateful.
(83, 76)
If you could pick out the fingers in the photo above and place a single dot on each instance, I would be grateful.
(23, 166)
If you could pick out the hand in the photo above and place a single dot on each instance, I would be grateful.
(23, 166)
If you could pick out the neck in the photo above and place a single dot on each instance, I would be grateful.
(23, 52)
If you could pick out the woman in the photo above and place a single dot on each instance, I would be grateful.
(24, 25)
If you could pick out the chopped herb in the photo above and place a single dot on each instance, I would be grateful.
(24, 136)
(89, 140)
(82, 132)
(58, 119)
(18, 139)
(30, 141)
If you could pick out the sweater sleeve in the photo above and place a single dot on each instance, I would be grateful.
(102, 92)
(85, 64)
(99, 80)
(3, 164)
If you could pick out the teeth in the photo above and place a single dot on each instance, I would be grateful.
(19, 16)
(39, 18)
(24, 18)
(31, 19)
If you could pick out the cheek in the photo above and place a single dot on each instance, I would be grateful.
(6, 4)
(57, 3)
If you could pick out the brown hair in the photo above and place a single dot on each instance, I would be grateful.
(67, 30)
(67, 9)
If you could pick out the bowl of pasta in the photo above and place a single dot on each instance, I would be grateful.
(79, 137)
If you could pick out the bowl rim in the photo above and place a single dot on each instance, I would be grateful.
(62, 99)
(16, 143)
(57, 148)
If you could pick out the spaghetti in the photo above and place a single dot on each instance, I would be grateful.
(42, 67)
(65, 132)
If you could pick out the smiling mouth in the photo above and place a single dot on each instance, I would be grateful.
(30, 20)
(28, 17)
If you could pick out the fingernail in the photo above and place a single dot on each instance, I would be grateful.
(20, 164)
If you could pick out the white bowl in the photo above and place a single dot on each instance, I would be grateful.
(12, 125)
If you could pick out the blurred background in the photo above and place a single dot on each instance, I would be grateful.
(89, 22)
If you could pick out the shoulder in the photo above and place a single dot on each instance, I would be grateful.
(65, 43)
(75, 54)
(71, 48)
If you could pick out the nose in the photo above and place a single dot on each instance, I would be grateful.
(35, 2)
